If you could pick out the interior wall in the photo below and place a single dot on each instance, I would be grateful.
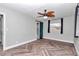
(68, 31)
(76, 43)
(19, 27)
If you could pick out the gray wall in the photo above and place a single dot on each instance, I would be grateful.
(68, 31)
(19, 27)
(76, 42)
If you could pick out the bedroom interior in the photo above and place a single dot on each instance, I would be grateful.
(39, 30)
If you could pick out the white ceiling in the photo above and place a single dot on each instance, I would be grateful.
(61, 9)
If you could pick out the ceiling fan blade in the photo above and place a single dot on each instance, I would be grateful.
(40, 13)
(51, 15)
(50, 12)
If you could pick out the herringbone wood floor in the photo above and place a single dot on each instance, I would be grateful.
(42, 47)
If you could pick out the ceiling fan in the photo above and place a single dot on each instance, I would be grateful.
(46, 13)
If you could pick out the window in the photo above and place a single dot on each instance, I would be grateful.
(56, 26)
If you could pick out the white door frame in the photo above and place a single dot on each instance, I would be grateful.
(3, 30)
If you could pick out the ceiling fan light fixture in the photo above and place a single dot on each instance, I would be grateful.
(45, 17)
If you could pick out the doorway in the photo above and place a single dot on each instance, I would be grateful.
(1, 28)
(39, 30)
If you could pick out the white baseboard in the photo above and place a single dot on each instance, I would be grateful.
(58, 40)
(13, 46)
